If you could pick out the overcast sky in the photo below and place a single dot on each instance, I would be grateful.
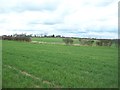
(77, 18)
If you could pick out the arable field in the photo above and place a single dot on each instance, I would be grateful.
(28, 65)
(54, 40)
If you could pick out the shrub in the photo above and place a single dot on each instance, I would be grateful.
(98, 43)
(68, 41)
(86, 42)
(23, 38)
(17, 38)
(104, 42)
(0, 37)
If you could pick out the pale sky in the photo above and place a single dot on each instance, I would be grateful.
(76, 18)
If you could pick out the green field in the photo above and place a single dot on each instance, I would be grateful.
(28, 65)
(53, 40)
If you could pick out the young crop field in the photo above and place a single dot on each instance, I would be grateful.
(53, 40)
(28, 65)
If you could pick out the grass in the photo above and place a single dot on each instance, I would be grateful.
(60, 41)
(46, 65)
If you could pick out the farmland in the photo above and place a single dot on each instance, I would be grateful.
(53, 40)
(28, 65)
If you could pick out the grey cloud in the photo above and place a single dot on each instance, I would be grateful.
(48, 21)
(106, 3)
(24, 30)
(51, 23)
(33, 7)
(112, 30)
(101, 3)
(28, 6)
(45, 23)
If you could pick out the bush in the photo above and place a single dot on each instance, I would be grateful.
(17, 38)
(86, 42)
(24, 38)
(68, 41)
(7, 38)
(98, 43)
(0, 37)
(104, 42)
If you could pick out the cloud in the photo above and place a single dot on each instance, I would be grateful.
(80, 18)
(27, 5)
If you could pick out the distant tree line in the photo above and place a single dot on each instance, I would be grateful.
(66, 40)
(47, 36)
(17, 37)
(92, 41)
(104, 42)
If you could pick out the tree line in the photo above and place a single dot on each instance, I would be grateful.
(17, 37)
(90, 42)
(66, 40)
